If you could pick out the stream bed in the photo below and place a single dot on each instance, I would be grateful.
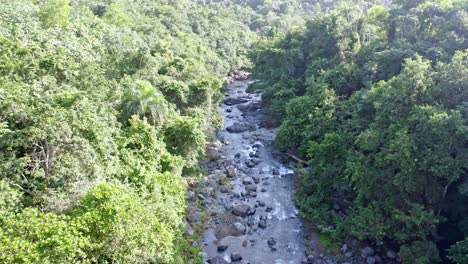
(251, 217)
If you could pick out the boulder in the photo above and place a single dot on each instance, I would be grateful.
(235, 229)
(241, 210)
(236, 257)
(250, 188)
(239, 127)
(231, 171)
(236, 100)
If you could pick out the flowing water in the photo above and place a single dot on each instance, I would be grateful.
(270, 231)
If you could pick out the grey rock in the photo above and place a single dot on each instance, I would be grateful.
(262, 224)
(231, 171)
(222, 248)
(269, 209)
(224, 230)
(349, 254)
(235, 100)
(256, 179)
(217, 260)
(241, 210)
(251, 188)
(239, 127)
(275, 171)
(271, 242)
(236, 257)
(247, 181)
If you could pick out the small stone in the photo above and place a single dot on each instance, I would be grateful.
(262, 224)
(261, 203)
(229, 110)
(349, 254)
(222, 248)
(238, 155)
(256, 179)
(236, 257)
(275, 171)
(269, 209)
(271, 242)
(244, 244)
(263, 190)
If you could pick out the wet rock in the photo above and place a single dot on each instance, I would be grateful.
(269, 209)
(223, 189)
(229, 110)
(250, 164)
(262, 224)
(263, 190)
(253, 194)
(239, 127)
(244, 244)
(247, 181)
(238, 155)
(241, 210)
(235, 100)
(275, 171)
(367, 251)
(252, 154)
(251, 188)
(271, 242)
(222, 248)
(256, 179)
(217, 260)
(391, 254)
(231, 171)
(349, 254)
(261, 203)
(236, 257)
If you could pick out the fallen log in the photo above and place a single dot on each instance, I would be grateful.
(297, 159)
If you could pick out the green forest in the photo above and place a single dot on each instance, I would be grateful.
(106, 108)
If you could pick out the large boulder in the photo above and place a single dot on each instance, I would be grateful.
(241, 210)
(236, 100)
(239, 127)
(251, 107)
(235, 229)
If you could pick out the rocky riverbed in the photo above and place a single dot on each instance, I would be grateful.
(244, 206)
(251, 217)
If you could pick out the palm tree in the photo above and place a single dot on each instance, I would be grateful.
(146, 102)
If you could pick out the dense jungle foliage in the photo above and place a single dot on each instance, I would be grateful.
(376, 100)
(106, 106)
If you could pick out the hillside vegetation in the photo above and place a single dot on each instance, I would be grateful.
(106, 107)
(376, 100)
